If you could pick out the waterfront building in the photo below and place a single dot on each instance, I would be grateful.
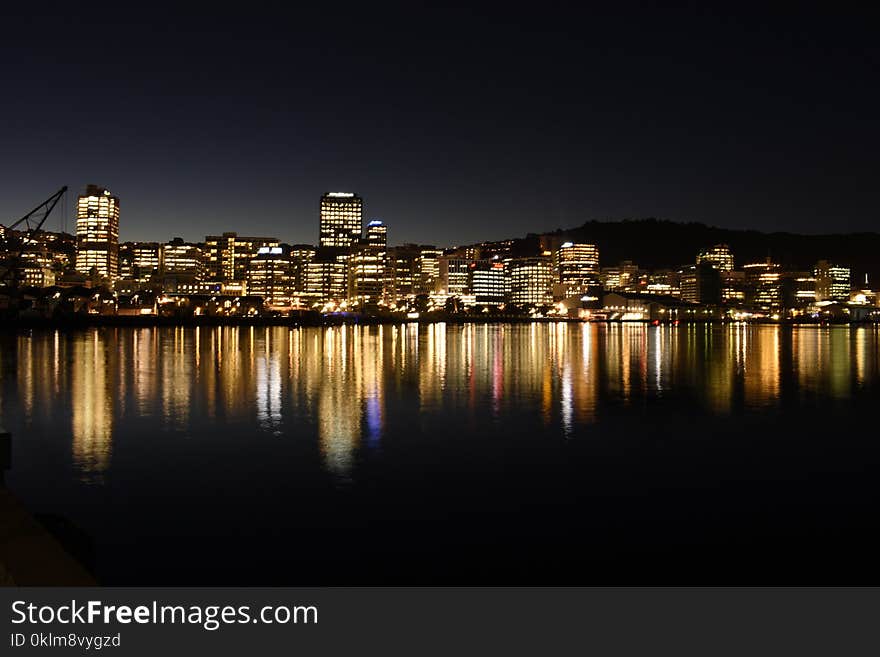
(300, 256)
(36, 270)
(487, 281)
(179, 257)
(621, 277)
(531, 280)
(700, 283)
(803, 285)
(139, 261)
(327, 277)
(269, 276)
(367, 266)
(763, 284)
(577, 265)
(719, 256)
(865, 296)
(227, 256)
(832, 281)
(454, 274)
(429, 270)
(97, 233)
(341, 219)
(402, 271)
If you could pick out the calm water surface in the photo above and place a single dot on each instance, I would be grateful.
(535, 453)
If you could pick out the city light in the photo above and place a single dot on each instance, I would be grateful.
(353, 270)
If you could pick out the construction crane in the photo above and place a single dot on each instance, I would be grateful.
(33, 222)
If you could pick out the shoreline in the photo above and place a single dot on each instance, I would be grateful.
(90, 321)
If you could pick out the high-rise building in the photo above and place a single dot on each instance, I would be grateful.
(832, 281)
(701, 283)
(269, 276)
(429, 270)
(487, 281)
(624, 276)
(228, 255)
(454, 275)
(341, 219)
(97, 232)
(577, 265)
(402, 271)
(763, 284)
(300, 256)
(531, 280)
(367, 266)
(326, 277)
(719, 256)
(139, 261)
(179, 257)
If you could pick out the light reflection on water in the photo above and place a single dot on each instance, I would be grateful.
(346, 383)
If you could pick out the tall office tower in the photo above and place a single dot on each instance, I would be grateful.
(531, 280)
(138, 261)
(402, 271)
(367, 266)
(179, 257)
(763, 284)
(341, 219)
(269, 275)
(454, 275)
(429, 270)
(97, 232)
(300, 256)
(701, 283)
(832, 281)
(487, 281)
(229, 254)
(624, 276)
(577, 265)
(719, 256)
(326, 280)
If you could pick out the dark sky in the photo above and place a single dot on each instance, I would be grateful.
(454, 124)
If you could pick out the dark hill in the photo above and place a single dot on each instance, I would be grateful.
(657, 244)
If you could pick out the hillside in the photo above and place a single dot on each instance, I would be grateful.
(655, 244)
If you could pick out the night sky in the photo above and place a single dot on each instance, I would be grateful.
(455, 125)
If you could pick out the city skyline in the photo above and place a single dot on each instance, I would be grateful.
(68, 224)
(353, 269)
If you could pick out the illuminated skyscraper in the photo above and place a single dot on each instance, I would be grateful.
(341, 219)
(367, 266)
(269, 275)
(138, 260)
(577, 265)
(325, 277)
(487, 281)
(719, 256)
(701, 283)
(531, 280)
(97, 232)
(454, 274)
(763, 282)
(402, 271)
(300, 256)
(429, 270)
(832, 281)
(229, 254)
(179, 257)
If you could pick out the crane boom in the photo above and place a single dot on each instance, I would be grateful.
(39, 214)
